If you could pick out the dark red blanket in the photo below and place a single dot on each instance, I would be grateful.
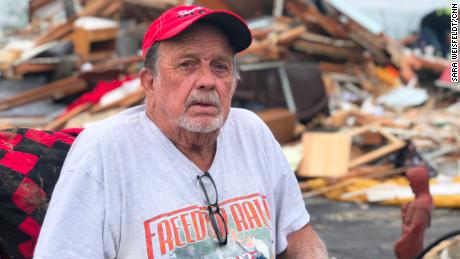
(30, 163)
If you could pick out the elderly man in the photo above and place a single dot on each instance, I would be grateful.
(184, 176)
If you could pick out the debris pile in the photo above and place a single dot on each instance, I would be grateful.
(385, 108)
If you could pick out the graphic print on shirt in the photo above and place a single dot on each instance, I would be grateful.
(187, 233)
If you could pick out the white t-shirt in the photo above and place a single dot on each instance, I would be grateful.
(126, 191)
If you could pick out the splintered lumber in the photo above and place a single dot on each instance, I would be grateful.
(85, 39)
(310, 36)
(364, 170)
(358, 172)
(112, 9)
(394, 144)
(350, 181)
(311, 15)
(336, 48)
(256, 48)
(94, 7)
(374, 43)
(326, 154)
(290, 35)
(328, 50)
(55, 89)
(28, 67)
(60, 121)
(260, 34)
(34, 5)
(327, 67)
(366, 118)
(116, 63)
(56, 33)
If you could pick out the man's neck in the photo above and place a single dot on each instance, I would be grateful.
(200, 148)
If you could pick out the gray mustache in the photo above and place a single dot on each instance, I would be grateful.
(207, 98)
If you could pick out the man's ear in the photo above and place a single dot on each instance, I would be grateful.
(147, 80)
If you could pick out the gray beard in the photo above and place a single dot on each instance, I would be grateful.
(191, 125)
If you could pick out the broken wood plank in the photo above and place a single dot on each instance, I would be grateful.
(366, 118)
(260, 34)
(327, 67)
(351, 181)
(286, 37)
(311, 15)
(56, 33)
(112, 9)
(116, 63)
(27, 67)
(351, 54)
(34, 5)
(60, 121)
(325, 154)
(93, 8)
(393, 145)
(368, 170)
(328, 154)
(57, 89)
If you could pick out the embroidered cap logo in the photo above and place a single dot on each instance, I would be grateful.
(194, 11)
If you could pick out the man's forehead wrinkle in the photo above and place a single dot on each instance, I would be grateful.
(203, 57)
(184, 51)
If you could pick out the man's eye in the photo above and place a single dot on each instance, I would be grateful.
(222, 67)
(187, 64)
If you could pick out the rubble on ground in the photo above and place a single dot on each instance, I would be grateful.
(387, 108)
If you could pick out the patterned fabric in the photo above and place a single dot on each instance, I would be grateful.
(30, 163)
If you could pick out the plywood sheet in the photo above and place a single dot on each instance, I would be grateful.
(325, 154)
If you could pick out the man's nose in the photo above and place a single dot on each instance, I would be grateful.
(206, 78)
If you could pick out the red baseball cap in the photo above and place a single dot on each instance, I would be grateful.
(177, 19)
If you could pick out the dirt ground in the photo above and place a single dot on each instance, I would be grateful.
(355, 231)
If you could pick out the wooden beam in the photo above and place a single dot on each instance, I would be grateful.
(60, 121)
(351, 181)
(393, 145)
(290, 35)
(93, 8)
(58, 32)
(112, 9)
(311, 15)
(117, 63)
(58, 88)
(34, 5)
(332, 51)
